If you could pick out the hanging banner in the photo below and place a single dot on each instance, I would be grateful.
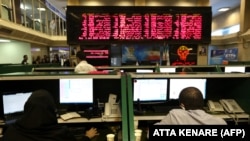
(183, 54)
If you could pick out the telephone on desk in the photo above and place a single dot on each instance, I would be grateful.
(228, 105)
(112, 108)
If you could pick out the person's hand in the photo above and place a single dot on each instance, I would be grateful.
(92, 132)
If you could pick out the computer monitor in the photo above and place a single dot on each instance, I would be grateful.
(150, 90)
(14, 102)
(144, 70)
(235, 69)
(177, 84)
(76, 90)
(167, 70)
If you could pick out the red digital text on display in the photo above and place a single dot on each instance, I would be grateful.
(138, 26)
(95, 54)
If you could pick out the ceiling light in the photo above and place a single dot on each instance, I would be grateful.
(23, 7)
(41, 9)
(4, 41)
(223, 9)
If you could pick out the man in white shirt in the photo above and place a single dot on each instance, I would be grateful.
(191, 111)
(83, 66)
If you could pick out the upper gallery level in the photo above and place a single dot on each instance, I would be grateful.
(42, 23)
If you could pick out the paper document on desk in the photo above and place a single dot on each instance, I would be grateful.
(70, 115)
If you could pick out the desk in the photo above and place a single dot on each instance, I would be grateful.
(85, 120)
(243, 117)
(104, 125)
(230, 116)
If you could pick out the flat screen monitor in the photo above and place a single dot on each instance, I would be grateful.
(235, 69)
(76, 91)
(144, 71)
(150, 90)
(167, 70)
(177, 84)
(14, 102)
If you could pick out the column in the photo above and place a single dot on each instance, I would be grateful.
(244, 17)
(18, 12)
(244, 44)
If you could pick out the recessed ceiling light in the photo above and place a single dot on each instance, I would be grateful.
(223, 9)
(4, 41)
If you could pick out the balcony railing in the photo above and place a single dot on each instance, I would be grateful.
(33, 14)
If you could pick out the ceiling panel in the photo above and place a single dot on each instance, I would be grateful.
(216, 4)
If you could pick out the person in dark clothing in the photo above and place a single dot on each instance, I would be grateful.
(25, 60)
(39, 122)
(187, 69)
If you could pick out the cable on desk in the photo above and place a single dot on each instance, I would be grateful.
(234, 117)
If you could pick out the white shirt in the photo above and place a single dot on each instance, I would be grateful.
(84, 67)
(190, 117)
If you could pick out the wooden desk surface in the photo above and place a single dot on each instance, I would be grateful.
(85, 120)
(224, 116)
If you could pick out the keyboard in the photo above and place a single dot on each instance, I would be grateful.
(155, 114)
(91, 114)
(9, 119)
(158, 110)
(77, 131)
(164, 109)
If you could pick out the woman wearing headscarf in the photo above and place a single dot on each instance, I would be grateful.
(39, 122)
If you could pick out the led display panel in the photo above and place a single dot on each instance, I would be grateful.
(89, 24)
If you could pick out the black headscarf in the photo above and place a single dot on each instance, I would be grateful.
(39, 121)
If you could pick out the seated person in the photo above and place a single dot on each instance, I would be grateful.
(187, 69)
(83, 66)
(25, 60)
(191, 111)
(39, 122)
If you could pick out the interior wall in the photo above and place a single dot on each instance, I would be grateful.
(228, 19)
(243, 53)
(12, 52)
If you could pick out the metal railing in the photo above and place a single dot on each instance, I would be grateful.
(33, 14)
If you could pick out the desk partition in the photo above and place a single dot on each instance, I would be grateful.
(219, 85)
(103, 85)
